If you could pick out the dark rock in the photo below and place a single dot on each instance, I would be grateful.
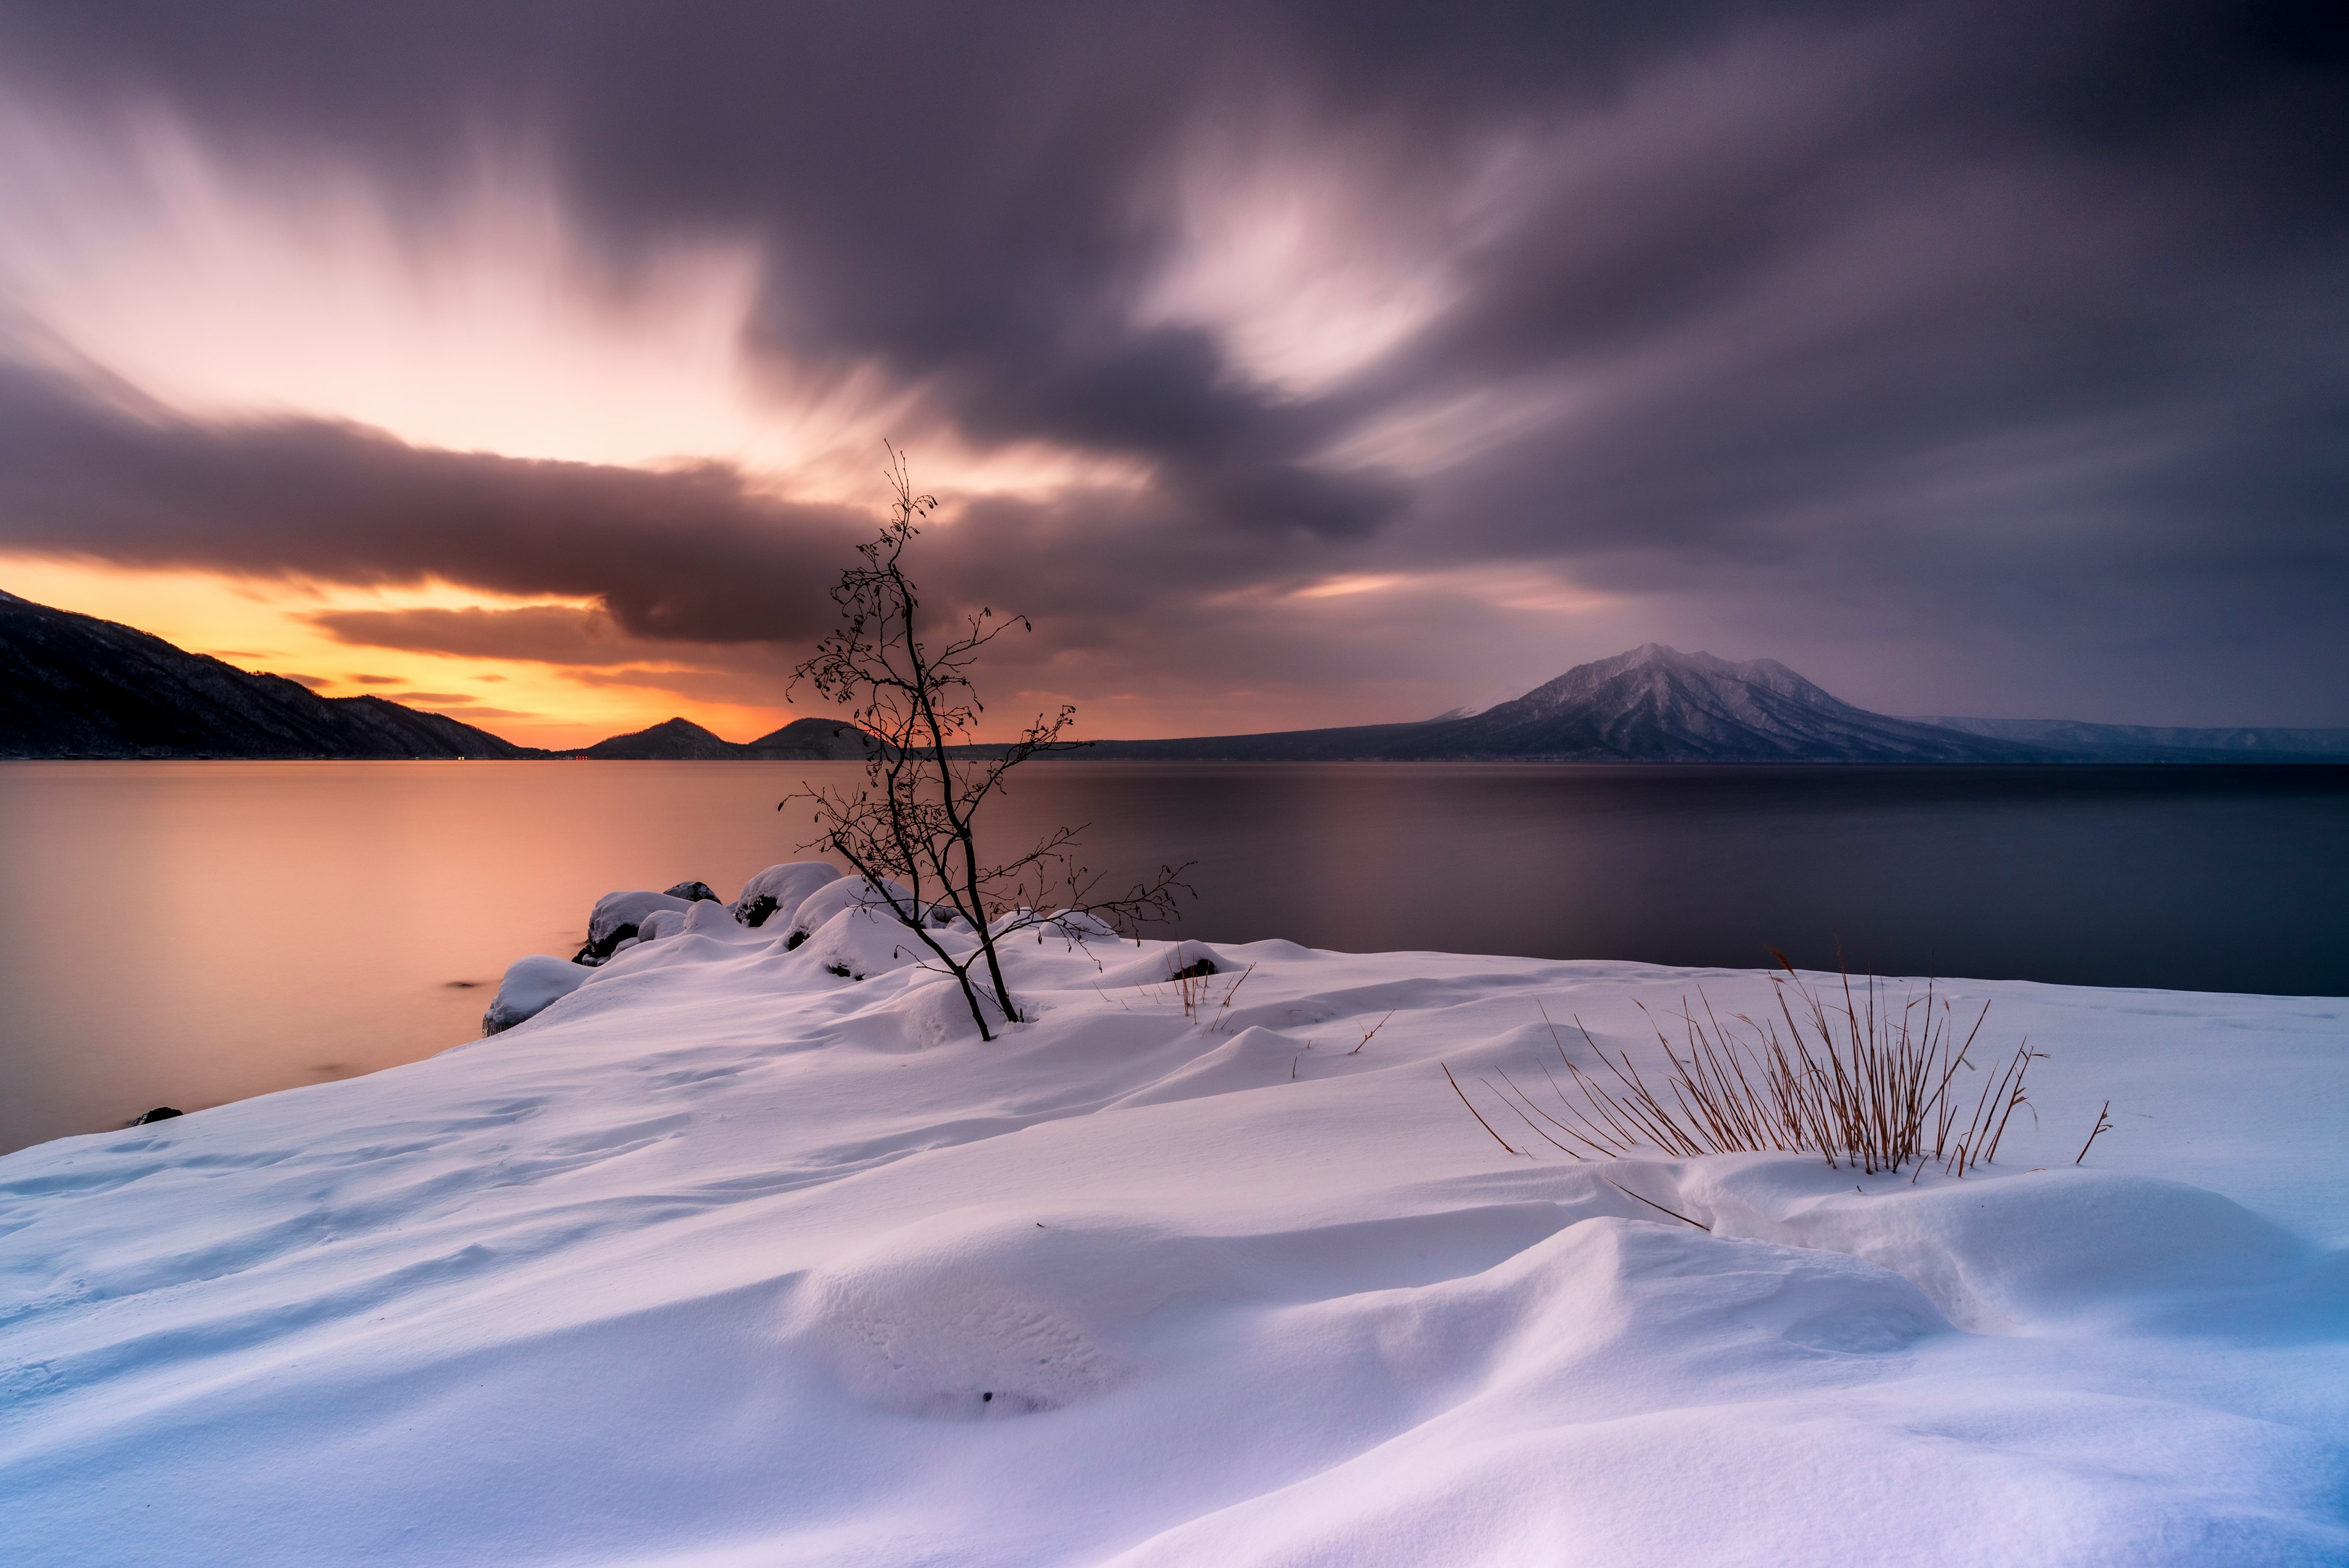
(1199, 971)
(694, 892)
(755, 912)
(160, 1114)
(594, 952)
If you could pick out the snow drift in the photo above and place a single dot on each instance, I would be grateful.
(723, 1257)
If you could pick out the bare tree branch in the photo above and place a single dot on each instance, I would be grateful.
(913, 821)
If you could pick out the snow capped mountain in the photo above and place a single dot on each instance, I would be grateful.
(1653, 704)
(1658, 704)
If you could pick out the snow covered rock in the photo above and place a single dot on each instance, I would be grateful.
(862, 939)
(619, 916)
(781, 889)
(1079, 927)
(1156, 963)
(812, 912)
(694, 892)
(530, 985)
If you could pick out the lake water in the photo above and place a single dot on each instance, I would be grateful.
(186, 933)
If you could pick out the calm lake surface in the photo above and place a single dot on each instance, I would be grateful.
(187, 933)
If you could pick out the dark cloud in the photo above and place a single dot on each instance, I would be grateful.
(688, 553)
(1991, 331)
(547, 634)
(749, 689)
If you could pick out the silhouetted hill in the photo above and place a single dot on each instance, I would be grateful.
(683, 741)
(814, 740)
(670, 740)
(76, 686)
(2163, 742)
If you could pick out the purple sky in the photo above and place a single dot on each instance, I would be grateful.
(1290, 365)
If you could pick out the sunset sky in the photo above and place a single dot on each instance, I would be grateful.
(1290, 365)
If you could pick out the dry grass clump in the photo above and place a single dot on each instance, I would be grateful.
(1192, 991)
(1864, 1082)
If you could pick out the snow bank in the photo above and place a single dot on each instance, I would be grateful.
(722, 1258)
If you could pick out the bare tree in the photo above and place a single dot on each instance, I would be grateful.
(911, 828)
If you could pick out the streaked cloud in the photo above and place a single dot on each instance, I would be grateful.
(1287, 362)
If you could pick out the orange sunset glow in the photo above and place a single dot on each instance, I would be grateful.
(271, 627)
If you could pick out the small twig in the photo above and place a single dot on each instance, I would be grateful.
(2102, 1127)
(1381, 1023)
(1474, 1111)
(1219, 1022)
(1657, 1207)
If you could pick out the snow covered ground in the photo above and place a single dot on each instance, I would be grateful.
(724, 1259)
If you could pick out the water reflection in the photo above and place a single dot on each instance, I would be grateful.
(184, 933)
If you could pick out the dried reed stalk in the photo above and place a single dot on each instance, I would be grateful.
(1860, 1082)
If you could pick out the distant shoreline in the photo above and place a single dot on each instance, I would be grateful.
(2250, 764)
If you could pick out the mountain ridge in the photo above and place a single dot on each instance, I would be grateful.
(76, 686)
(682, 740)
(73, 685)
(1657, 704)
(2083, 735)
